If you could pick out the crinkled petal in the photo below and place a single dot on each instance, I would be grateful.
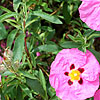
(91, 68)
(90, 13)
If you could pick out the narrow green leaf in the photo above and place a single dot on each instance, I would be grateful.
(76, 39)
(3, 32)
(11, 37)
(27, 74)
(48, 48)
(9, 89)
(7, 15)
(19, 95)
(30, 22)
(36, 86)
(16, 4)
(88, 32)
(78, 32)
(5, 9)
(70, 44)
(12, 22)
(66, 13)
(43, 82)
(94, 35)
(18, 47)
(2, 96)
(50, 18)
(42, 79)
(26, 90)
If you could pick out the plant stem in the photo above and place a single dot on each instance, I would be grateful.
(43, 70)
(57, 9)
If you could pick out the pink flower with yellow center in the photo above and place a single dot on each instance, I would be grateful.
(74, 74)
(90, 13)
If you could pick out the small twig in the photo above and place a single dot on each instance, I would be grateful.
(43, 70)
(57, 9)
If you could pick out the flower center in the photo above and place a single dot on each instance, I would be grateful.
(74, 75)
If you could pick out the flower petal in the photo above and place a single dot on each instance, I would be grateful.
(97, 95)
(90, 13)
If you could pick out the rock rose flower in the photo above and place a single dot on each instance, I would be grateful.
(74, 74)
(90, 13)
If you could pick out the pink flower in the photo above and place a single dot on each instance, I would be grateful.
(1, 60)
(90, 13)
(38, 54)
(97, 95)
(74, 74)
(0, 78)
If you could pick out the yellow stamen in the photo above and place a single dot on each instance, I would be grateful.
(74, 75)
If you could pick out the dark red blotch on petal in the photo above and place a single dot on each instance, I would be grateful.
(70, 82)
(66, 73)
(80, 81)
(72, 66)
(81, 70)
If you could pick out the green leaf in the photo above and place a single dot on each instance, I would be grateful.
(94, 35)
(19, 95)
(70, 44)
(66, 13)
(96, 54)
(7, 15)
(54, 98)
(3, 32)
(13, 23)
(26, 90)
(11, 37)
(26, 74)
(6, 73)
(76, 39)
(88, 32)
(43, 82)
(2, 96)
(30, 22)
(9, 89)
(51, 91)
(78, 31)
(36, 86)
(30, 2)
(16, 4)
(42, 63)
(5, 9)
(48, 48)
(18, 47)
(50, 18)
